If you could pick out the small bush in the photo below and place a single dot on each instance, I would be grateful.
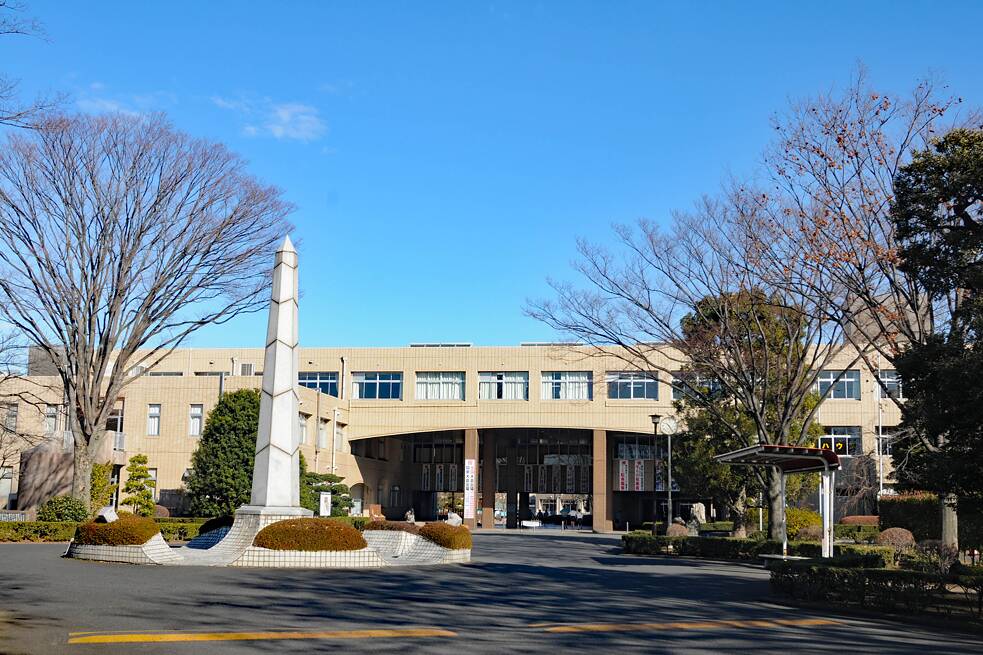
(161, 512)
(676, 530)
(870, 588)
(310, 534)
(395, 526)
(797, 518)
(930, 556)
(178, 531)
(810, 533)
(216, 523)
(357, 522)
(448, 536)
(63, 508)
(863, 534)
(860, 519)
(897, 538)
(126, 531)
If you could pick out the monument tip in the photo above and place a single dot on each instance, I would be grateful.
(287, 245)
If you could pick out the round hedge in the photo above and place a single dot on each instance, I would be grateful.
(676, 530)
(395, 526)
(125, 531)
(896, 537)
(448, 536)
(214, 524)
(310, 534)
(63, 508)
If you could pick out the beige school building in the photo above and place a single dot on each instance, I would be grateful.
(534, 430)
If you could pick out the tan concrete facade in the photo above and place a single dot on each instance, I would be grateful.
(190, 377)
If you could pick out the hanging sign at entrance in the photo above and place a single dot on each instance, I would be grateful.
(426, 477)
(439, 477)
(639, 475)
(622, 475)
(469, 486)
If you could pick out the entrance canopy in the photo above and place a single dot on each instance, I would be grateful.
(790, 459)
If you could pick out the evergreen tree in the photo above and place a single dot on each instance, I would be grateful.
(101, 489)
(222, 466)
(139, 487)
(312, 484)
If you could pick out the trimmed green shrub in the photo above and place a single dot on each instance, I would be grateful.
(897, 538)
(449, 536)
(63, 508)
(310, 534)
(126, 531)
(921, 513)
(717, 526)
(214, 524)
(101, 487)
(139, 486)
(178, 531)
(676, 530)
(396, 526)
(860, 519)
(797, 518)
(37, 530)
(357, 522)
(858, 532)
(873, 588)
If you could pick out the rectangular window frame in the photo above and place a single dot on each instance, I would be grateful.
(847, 387)
(441, 386)
(503, 385)
(324, 381)
(196, 419)
(153, 419)
(568, 385)
(377, 385)
(889, 378)
(845, 441)
(632, 385)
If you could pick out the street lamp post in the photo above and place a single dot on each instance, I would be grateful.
(655, 494)
(668, 427)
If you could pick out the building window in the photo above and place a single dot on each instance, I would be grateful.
(844, 441)
(384, 386)
(153, 477)
(322, 434)
(50, 419)
(245, 368)
(846, 387)
(339, 436)
(302, 427)
(165, 374)
(685, 384)
(195, 418)
(323, 382)
(567, 385)
(439, 385)
(890, 385)
(153, 420)
(503, 385)
(10, 416)
(630, 385)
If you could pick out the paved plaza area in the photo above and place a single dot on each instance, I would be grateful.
(546, 592)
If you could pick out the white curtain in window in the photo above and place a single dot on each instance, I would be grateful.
(567, 385)
(439, 386)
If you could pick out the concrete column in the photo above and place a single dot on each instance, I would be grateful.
(512, 487)
(603, 506)
(471, 452)
(488, 481)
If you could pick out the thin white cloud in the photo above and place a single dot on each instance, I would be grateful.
(288, 120)
(98, 99)
(94, 105)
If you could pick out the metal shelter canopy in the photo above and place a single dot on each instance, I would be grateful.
(795, 459)
(790, 459)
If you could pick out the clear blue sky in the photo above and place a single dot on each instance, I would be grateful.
(445, 156)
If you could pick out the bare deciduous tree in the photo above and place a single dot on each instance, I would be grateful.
(724, 295)
(834, 163)
(119, 237)
(14, 112)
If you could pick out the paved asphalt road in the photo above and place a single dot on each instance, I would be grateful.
(523, 593)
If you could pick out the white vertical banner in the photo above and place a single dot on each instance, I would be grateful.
(622, 475)
(639, 475)
(469, 487)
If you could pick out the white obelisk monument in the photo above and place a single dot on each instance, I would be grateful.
(276, 472)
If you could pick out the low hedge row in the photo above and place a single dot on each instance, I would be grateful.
(454, 537)
(126, 531)
(393, 526)
(37, 530)
(856, 531)
(310, 534)
(640, 543)
(881, 589)
(921, 513)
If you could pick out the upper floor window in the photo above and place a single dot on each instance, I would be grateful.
(320, 380)
(153, 420)
(890, 384)
(439, 385)
(886, 439)
(166, 374)
(302, 427)
(322, 434)
(51, 419)
(844, 441)
(245, 368)
(503, 385)
(567, 385)
(386, 386)
(633, 385)
(196, 415)
(687, 383)
(847, 386)
(9, 416)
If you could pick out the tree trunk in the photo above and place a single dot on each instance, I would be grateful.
(82, 475)
(739, 512)
(950, 521)
(776, 505)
